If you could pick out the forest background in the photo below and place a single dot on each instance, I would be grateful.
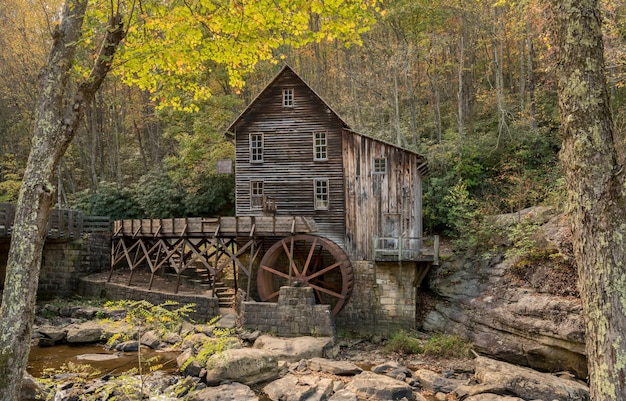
(469, 84)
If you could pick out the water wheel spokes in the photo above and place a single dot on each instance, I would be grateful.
(307, 260)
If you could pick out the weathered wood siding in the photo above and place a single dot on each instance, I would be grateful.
(372, 198)
(288, 169)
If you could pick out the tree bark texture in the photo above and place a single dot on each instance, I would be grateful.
(57, 119)
(595, 184)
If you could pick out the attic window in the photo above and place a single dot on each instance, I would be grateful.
(288, 97)
(380, 165)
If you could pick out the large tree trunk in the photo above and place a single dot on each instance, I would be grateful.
(55, 126)
(595, 184)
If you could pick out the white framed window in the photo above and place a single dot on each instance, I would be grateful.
(320, 146)
(380, 165)
(256, 148)
(288, 97)
(256, 194)
(321, 194)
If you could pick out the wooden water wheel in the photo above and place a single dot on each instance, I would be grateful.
(315, 262)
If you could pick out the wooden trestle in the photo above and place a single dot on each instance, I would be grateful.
(208, 244)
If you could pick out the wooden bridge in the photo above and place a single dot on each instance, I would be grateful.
(206, 245)
(63, 225)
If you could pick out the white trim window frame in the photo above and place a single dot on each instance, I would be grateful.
(256, 147)
(321, 189)
(320, 146)
(256, 194)
(288, 98)
(379, 165)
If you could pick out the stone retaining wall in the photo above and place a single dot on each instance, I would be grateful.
(206, 307)
(64, 262)
(295, 314)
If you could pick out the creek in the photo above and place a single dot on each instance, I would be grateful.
(96, 357)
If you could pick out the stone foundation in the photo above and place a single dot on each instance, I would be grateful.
(295, 314)
(383, 299)
(206, 307)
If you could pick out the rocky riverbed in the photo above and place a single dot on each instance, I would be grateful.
(219, 362)
(515, 308)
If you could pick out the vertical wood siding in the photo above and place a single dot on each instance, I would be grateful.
(371, 197)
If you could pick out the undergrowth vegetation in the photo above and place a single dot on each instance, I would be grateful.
(437, 345)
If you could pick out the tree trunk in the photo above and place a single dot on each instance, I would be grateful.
(595, 184)
(498, 61)
(460, 97)
(54, 128)
(531, 78)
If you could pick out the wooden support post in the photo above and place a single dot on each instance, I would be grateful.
(151, 279)
(252, 256)
(232, 248)
(217, 258)
(251, 266)
(114, 249)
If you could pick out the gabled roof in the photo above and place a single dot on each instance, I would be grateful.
(285, 68)
(231, 128)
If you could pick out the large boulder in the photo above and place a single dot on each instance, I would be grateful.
(527, 383)
(437, 383)
(87, 332)
(343, 395)
(296, 348)
(243, 365)
(299, 388)
(339, 368)
(225, 392)
(372, 386)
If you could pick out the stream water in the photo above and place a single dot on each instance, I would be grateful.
(96, 356)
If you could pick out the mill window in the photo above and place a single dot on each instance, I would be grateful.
(380, 165)
(256, 194)
(320, 146)
(256, 148)
(321, 194)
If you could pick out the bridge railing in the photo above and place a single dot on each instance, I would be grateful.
(64, 224)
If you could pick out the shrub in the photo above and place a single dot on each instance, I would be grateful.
(404, 343)
(446, 345)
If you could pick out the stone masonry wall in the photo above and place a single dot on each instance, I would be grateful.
(205, 307)
(64, 262)
(383, 299)
(295, 314)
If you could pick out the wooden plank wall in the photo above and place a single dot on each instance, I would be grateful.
(369, 196)
(288, 169)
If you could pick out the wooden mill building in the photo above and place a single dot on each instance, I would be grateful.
(296, 157)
